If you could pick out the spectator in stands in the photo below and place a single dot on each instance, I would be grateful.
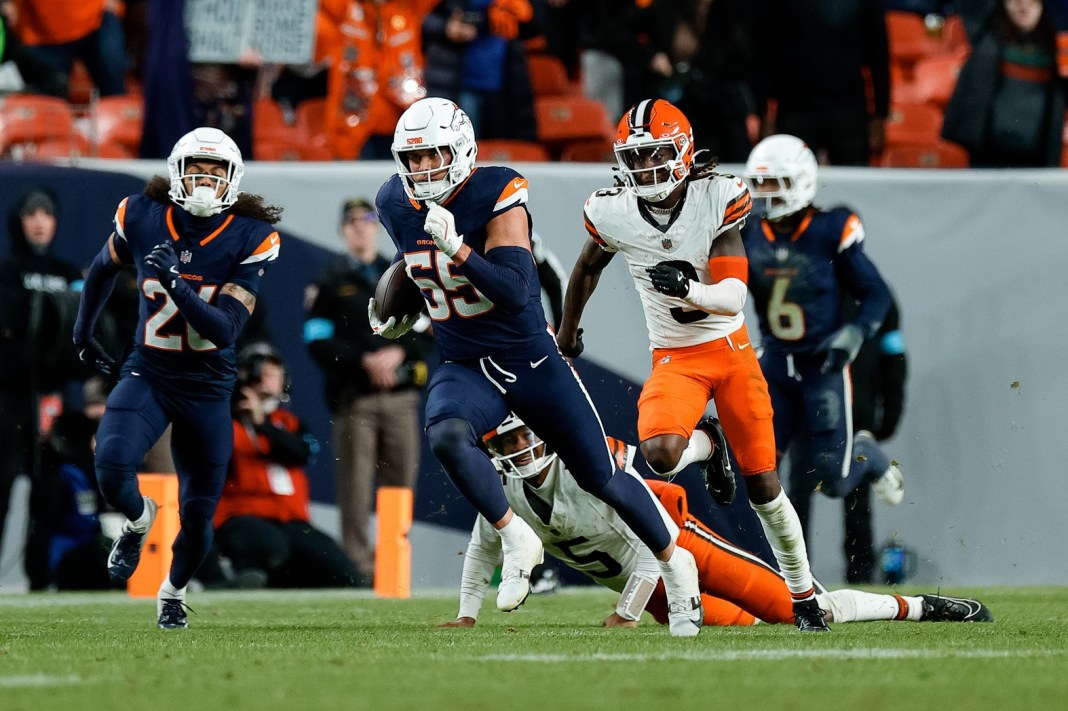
(813, 58)
(372, 385)
(878, 373)
(56, 33)
(66, 544)
(34, 286)
(375, 71)
(262, 521)
(474, 58)
(712, 62)
(1007, 108)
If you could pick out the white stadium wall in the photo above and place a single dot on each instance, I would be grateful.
(977, 260)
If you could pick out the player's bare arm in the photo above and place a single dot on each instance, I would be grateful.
(246, 297)
(584, 277)
(729, 244)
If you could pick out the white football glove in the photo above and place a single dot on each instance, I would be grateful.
(441, 225)
(389, 328)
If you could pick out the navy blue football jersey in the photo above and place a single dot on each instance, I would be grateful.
(467, 325)
(797, 280)
(212, 251)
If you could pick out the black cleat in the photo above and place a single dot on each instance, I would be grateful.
(717, 471)
(172, 614)
(937, 608)
(126, 552)
(809, 617)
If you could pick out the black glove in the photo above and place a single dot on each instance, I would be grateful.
(576, 351)
(162, 263)
(669, 280)
(842, 348)
(93, 354)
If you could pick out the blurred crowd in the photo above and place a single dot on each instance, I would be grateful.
(863, 82)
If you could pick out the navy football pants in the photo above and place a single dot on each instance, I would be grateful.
(202, 440)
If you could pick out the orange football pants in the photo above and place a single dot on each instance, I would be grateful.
(737, 588)
(726, 370)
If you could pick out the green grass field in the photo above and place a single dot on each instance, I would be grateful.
(337, 650)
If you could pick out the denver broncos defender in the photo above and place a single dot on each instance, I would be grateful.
(802, 262)
(679, 228)
(736, 586)
(200, 249)
(464, 235)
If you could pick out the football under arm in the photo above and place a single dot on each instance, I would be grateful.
(219, 323)
(97, 286)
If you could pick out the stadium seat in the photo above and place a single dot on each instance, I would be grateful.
(119, 122)
(909, 40)
(913, 123)
(567, 119)
(32, 119)
(269, 122)
(548, 76)
(505, 151)
(588, 152)
(954, 36)
(80, 88)
(936, 154)
(934, 78)
(311, 121)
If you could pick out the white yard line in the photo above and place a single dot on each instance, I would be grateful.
(38, 680)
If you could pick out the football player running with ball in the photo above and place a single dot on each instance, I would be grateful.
(201, 249)
(464, 236)
(679, 228)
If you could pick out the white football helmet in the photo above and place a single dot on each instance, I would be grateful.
(205, 143)
(512, 464)
(434, 123)
(782, 171)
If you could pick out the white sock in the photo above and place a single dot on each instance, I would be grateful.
(512, 531)
(169, 592)
(783, 531)
(141, 523)
(858, 606)
(698, 449)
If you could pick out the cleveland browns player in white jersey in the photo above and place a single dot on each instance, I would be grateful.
(679, 228)
(737, 587)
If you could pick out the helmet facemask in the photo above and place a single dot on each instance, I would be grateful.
(220, 192)
(439, 125)
(517, 452)
(662, 159)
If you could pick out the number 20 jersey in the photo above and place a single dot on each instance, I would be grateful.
(467, 325)
(212, 251)
(711, 206)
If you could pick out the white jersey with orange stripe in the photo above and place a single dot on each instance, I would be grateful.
(575, 526)
(710, 207)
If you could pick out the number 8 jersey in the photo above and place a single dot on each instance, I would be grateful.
(618, 223)
(212, 251)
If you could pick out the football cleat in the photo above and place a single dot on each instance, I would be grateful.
(716, 470)
(126, 552)
(685, 613)
(890, 487)
(172, 614)
(937, 608)
(809, 617)
(519, 561)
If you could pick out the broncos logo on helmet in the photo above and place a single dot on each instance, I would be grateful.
(654, 148)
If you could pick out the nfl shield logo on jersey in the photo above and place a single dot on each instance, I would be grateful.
(666, 243)
(185, 257)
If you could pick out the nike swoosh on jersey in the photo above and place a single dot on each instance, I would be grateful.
(536, 363)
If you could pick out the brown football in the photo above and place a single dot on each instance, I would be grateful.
(397, 295)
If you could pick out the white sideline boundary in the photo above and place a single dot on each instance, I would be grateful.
(773, 654)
